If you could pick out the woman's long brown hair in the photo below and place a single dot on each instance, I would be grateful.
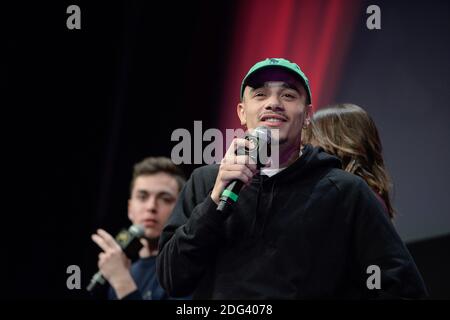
(347, 131)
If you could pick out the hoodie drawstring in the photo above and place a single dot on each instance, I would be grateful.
(253, 228)
(266, 216)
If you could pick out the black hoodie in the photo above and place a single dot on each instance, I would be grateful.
(310, 231)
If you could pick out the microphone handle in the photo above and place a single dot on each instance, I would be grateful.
(229, 196)
(97, 279)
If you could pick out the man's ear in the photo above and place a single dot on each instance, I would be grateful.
(308, 115)
(240, 109)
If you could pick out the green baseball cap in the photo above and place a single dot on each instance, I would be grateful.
(277, 63)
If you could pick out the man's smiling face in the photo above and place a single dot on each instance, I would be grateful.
(275, 98)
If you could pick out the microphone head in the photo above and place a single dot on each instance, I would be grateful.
(137, 230)
(263, 134)
(260, 152)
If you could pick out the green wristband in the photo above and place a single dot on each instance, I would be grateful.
(233, 196)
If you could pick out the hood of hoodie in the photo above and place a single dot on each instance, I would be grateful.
(312, 160)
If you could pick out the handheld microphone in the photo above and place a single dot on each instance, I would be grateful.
(260, 153)
(130, 244)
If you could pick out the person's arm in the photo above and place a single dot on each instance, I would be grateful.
(125, 287)
(190, 239)
(115, 266)
(376, 243)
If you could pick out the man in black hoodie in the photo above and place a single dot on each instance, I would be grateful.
(305, 230)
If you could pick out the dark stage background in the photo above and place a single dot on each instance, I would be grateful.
(82, 106)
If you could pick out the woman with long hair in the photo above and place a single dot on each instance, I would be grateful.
(348, 132)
